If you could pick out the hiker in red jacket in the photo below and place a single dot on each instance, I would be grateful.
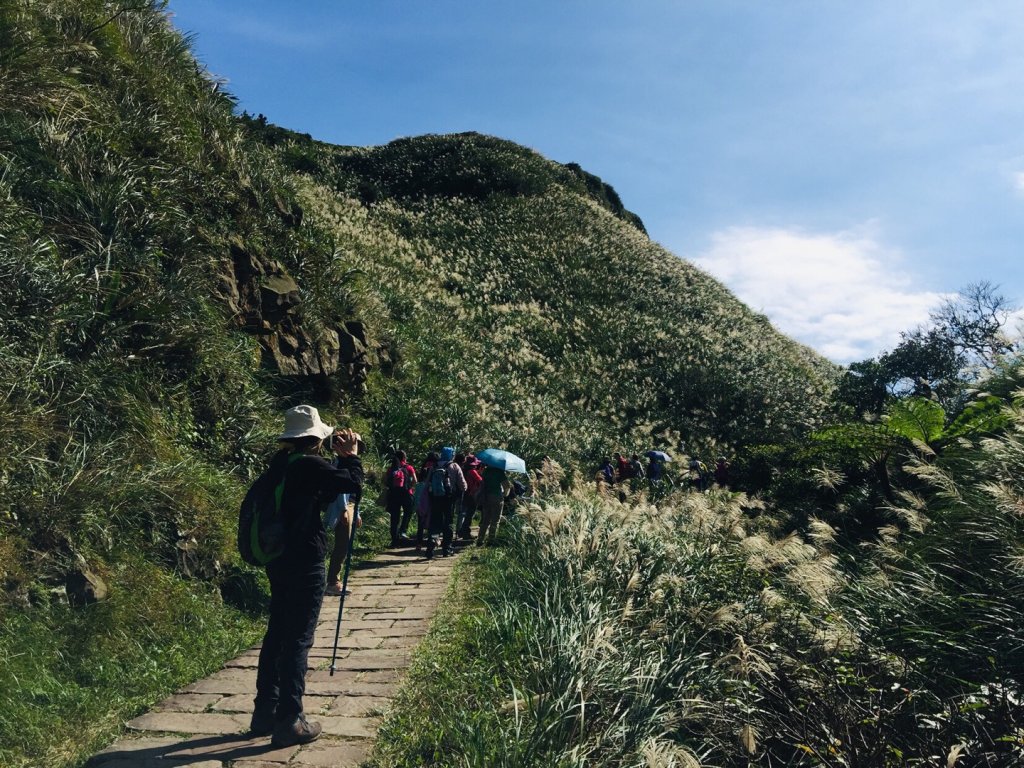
(471, 500)
(407, 506)
(400, 482)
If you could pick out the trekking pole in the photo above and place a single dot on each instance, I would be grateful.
(344, 583)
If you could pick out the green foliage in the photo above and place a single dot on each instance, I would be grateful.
(693, 633)
(70, 677)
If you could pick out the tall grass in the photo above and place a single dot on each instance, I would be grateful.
(700, 632)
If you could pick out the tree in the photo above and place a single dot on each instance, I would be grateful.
(963, 338)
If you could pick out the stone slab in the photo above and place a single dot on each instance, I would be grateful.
(323, 754)
(188, 702)
(352, 727)
(359, 706)
(190, 722)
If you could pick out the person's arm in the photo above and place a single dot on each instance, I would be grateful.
(346, 474)
(460, 479)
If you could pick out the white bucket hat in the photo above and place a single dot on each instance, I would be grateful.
(304, 421)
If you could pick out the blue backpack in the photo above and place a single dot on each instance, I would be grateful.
(440, 482)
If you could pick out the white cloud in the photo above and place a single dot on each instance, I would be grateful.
(844, 294)
(280, 35)
(1018, 181)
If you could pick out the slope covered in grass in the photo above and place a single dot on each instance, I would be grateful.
(528, 309)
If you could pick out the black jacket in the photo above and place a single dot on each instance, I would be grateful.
(310, 485)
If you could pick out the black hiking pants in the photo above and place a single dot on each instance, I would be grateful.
(440, 523)
(296, 593)
(403, 528)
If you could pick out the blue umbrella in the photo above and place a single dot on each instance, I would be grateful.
(499, 459)
(659, 455)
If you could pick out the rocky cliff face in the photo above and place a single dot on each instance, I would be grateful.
(265, 300)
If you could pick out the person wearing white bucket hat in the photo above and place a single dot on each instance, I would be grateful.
(297, 578)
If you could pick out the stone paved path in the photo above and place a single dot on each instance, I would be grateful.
(387, 613)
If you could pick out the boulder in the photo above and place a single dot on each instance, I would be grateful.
(279, 296)
(84, 587)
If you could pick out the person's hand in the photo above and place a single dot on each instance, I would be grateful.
(346, 442)
(359, 521)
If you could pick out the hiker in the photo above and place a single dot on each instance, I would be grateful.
(606, 472)
(297, 578)
(408, 506)
(654, 471)
(622, 471)
(636, 468)
(495, 487)
(457, 473)
(698, 474)
(516, 491)
(471, 499)
(339, 519)
(722, 472)
(444, 484)
(421, 500)
(399, 482)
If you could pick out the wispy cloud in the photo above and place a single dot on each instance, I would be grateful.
(1018, 181)
(844, 294)
(280, 35)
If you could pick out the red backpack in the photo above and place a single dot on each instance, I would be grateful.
(398, 477)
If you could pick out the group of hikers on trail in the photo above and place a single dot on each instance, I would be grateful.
(281, 528)
(445, 494)
(630, 472)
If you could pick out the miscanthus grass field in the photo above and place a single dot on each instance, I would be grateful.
(698, 632)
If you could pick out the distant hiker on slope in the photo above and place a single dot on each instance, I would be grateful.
(297, 575)
(339, 519)
(605, 475)
(421, 500)
(722, 472)
(444, 483)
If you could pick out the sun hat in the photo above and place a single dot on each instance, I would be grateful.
(304, 421)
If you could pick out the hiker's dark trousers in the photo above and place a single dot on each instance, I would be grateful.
(440, 522)
(406, 514)
(295, 597)
(399, 507)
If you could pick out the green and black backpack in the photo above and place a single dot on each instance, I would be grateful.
(262, 529)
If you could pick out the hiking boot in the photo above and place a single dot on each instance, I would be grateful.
(262, 723)
(299, 731)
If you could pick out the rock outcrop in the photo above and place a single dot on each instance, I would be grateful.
(265, 300)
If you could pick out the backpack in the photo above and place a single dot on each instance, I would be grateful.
(261, 527)
(440, 482)
(398, 478)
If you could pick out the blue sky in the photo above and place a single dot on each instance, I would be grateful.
(841, 166)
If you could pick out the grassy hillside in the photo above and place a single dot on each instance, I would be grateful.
(176, 276)
(523, 305)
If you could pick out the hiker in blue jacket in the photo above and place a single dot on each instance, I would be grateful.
(297, 578)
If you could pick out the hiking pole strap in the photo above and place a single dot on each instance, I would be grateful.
(344, 584)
